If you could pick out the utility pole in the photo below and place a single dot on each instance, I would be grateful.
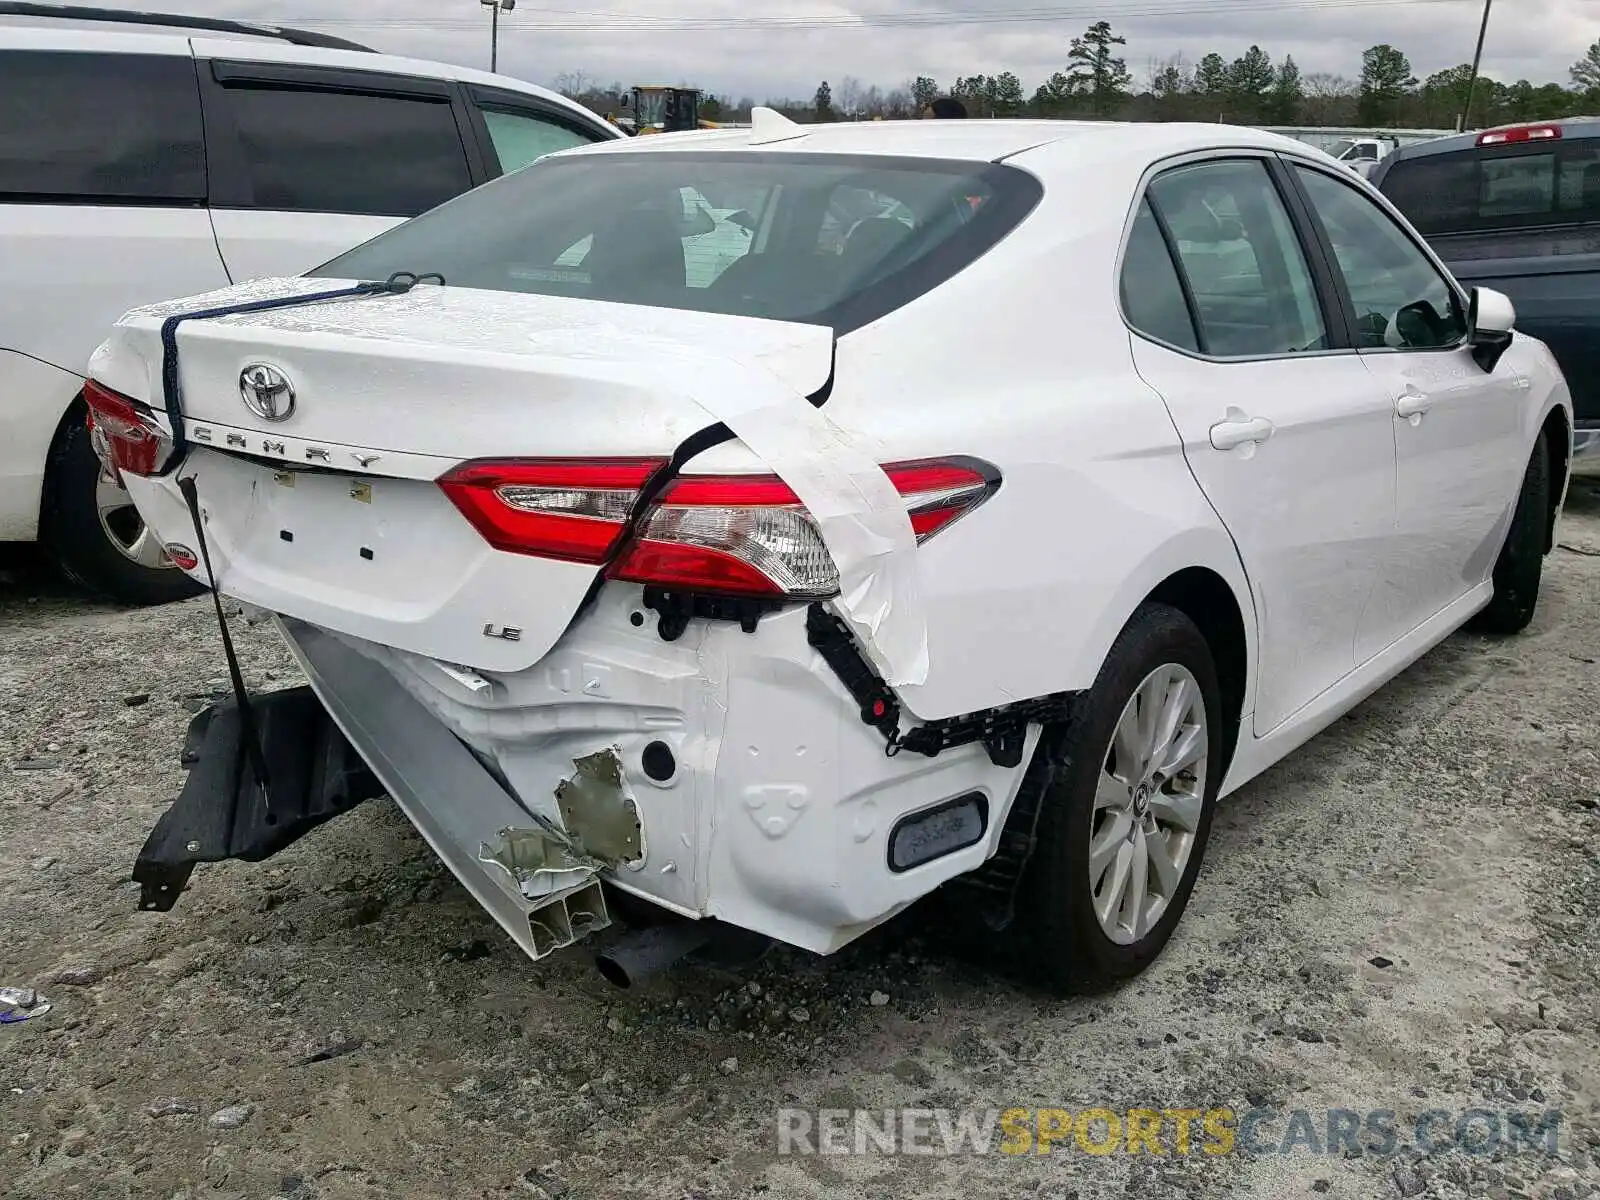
(494, 7)
(1477, 58)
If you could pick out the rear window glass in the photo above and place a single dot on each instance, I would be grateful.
(826, 239)
(1471, 191)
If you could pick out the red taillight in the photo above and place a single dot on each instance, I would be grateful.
(745, 535)
(750, 535)
(1520, 133)
(568, 509)
(124, 432)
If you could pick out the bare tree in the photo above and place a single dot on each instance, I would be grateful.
(572, 83)
(1329, 99)
(847, 98)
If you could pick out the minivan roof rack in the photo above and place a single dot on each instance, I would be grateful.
(70, 12)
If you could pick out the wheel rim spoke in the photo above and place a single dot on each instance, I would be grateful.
(125, 528)
(1137, 891)
(146, 550)
(1176, 702)
(1111, 792)
(1127, 744)
(1110, 899)
(1103, 847)
(1186, 748)
(1181, 810)
(1164, 864)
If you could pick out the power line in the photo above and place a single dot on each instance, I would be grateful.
(615, 22)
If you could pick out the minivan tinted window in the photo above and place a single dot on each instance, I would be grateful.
(100, 128)
(328, 151)
(787, 236)
(1471, 191)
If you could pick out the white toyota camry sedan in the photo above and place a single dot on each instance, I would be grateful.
(1002, 496)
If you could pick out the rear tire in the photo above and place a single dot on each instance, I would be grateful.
(1521, 563)
(1127, 798)
(111, 554)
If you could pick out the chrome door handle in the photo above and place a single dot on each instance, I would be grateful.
(1412, 404)
(1239, 429)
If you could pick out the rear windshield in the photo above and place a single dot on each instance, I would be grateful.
(825, 239)
(1475, 191)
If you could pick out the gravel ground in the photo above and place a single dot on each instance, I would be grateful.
(1405, 915)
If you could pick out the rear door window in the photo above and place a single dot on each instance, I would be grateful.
(100, 128)
(1499, 187)
(1152, 295)
(321, 149)
(1253, 292)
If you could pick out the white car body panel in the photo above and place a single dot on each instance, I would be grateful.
(778, 816)
(258, 244)
(72, 269)
(1312, 507)
(29, 428)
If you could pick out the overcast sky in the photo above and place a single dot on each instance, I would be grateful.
(747, 49)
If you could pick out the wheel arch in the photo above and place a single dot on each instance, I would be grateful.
(1208, 600)
(77, 411)
(1558, 445)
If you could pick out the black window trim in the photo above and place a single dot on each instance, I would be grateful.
(476, 98)
(1190, 305)
(76, 200)
(1335, 320)
(301, 77)
(1289, 165)
(230, 178)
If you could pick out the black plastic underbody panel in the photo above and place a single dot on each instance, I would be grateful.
(313, 773)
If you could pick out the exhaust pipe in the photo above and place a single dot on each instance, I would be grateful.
(645, 952)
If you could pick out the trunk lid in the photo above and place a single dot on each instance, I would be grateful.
(331, 513)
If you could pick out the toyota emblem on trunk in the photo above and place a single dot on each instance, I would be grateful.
(267, 392)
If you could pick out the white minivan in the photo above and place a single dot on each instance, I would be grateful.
(138, 164)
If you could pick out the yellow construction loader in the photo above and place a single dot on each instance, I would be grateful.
(658, 108)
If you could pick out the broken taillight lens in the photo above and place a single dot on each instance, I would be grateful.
(125, 433)
(750, 535)
(569, 509)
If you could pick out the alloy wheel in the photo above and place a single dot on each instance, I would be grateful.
(1149, 798)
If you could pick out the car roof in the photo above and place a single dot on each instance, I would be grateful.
(63, 35)
(971, 140)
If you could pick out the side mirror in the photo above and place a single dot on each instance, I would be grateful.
(1490, 319)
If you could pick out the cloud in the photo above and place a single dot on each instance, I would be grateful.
(733, 48)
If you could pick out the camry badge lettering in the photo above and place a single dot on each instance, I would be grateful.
(366, 460)
(271, 447)
(266, 392)
(506, 633)
(202, 433)
(236, 439)
(317, 454)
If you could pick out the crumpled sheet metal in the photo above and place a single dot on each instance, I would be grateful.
(599, 811)
(602, 830)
